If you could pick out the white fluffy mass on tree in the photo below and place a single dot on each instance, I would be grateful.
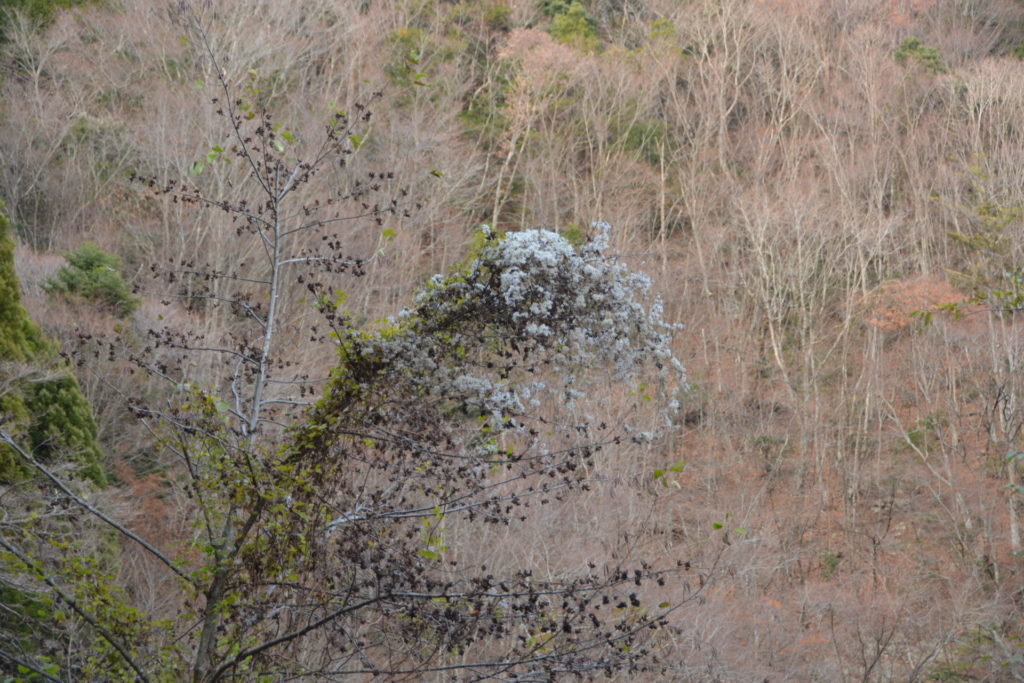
(564, 314)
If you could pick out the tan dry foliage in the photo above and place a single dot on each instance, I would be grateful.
(892, 306)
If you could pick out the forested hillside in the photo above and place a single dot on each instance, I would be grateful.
(827, 197)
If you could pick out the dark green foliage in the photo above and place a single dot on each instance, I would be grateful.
(484, 112)
(19, 341)
(19, 338)
(927, 57)
(553, 8)
(13, 414)
(646, 137)
(94, 275)
(62, 423)
(498, 17)
(39, 397)
(571, 24)
(39, 12)
(991, 270)
(28, 623)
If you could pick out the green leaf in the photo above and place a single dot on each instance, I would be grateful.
(436, 173)
(197, 167)
(356, 141)
(662, 605)
(658, 474)
(288, 136)
(716, 525)
(387, 233)
(678, 467)
(924, 316)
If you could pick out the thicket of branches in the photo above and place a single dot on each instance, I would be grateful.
(319, 504)
(829, 196)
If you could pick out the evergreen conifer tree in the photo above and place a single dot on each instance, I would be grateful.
(40, 399)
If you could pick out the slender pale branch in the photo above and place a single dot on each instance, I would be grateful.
(81, 502)
(287, 637)
(73, 604)
(15, 659)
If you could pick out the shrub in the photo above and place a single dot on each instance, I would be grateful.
(498, 17)
(94, 275)
(573, 25)
(927, 57)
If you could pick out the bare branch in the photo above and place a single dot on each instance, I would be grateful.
(9, 440)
